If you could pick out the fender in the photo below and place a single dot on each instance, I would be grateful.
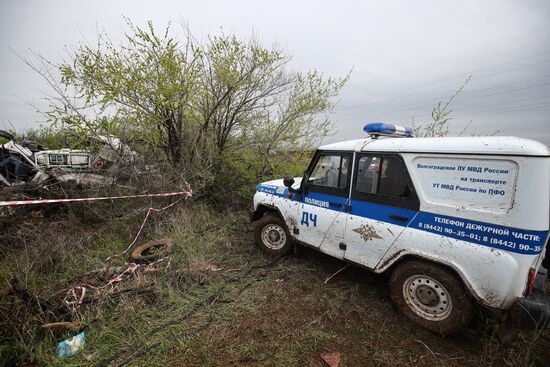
(261, 209)
(286, 209)
(476, 274)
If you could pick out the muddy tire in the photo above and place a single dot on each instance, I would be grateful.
(152, 251)
(431, 296)
(272, 236)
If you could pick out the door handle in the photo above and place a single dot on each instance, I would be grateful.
(399, 217)
(337, 205)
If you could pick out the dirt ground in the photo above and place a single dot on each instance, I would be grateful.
(299, 317)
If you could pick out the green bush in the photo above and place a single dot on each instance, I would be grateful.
(240, 173)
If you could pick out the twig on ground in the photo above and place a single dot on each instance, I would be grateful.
(333, 275)
(74, 326)
(315, 321)
(379, 334)
(239, 268)
(428, 348)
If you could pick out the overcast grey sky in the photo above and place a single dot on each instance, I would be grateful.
(406, 55)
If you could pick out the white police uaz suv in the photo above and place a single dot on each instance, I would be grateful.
(456, 220)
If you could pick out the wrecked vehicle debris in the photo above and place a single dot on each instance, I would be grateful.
(23, 162)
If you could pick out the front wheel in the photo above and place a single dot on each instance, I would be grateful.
(431, 296)
(271, 235)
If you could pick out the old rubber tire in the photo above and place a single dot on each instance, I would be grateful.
(431, 296)
(271, 235)
(152, 251)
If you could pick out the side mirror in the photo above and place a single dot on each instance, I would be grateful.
(288, 181)
(303, 184)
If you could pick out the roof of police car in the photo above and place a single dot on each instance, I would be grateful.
(492, 145)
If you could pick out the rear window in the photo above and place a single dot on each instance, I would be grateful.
(380, 175)
(469, 183)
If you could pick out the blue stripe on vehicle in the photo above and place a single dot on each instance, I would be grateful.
(505, 238)
(270, 189)
(385, 213)
(516, 240)
(364, 208)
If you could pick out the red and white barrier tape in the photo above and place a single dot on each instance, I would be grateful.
(75, 295)
(186, 194)
(73, 298)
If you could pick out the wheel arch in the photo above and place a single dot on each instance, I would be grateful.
(422, 304)
(263, 209)
(401, 257)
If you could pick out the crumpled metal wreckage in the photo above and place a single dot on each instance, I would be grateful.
(21, 163)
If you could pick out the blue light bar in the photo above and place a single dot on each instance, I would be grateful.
(380, 128)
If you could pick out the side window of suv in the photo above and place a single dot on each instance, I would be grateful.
(384, 179)
(384, 176)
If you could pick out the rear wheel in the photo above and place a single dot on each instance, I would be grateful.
(431, 296)
(271, 235)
